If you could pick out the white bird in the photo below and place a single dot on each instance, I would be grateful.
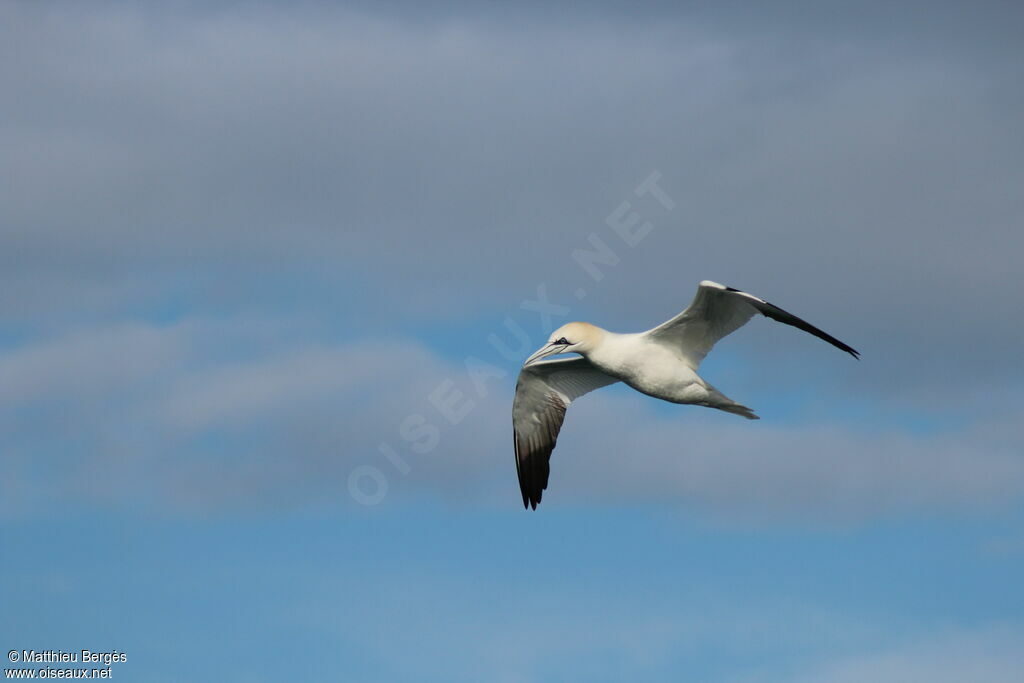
(661, 362)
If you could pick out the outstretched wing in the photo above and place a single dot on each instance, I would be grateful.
(543, 392)
(718, 311)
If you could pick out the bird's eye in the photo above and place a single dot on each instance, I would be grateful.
(563, 340)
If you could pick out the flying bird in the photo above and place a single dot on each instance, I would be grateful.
(661, 362)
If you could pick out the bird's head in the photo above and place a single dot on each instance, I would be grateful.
(569, 338)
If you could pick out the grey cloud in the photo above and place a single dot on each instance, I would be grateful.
(990, 655)
(89, 364)
(864, 174)
(209, 415)
(670, 626)
(462, 161)
(165, 415)
(267, 388)
(124, 412)
(750, 472)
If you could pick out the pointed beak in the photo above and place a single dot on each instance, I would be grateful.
(544, 351)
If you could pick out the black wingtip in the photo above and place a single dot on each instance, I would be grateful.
(839, 345)
(529, 502)
(770, 310)
(531, 495)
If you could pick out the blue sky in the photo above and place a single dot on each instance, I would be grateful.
(263, 264)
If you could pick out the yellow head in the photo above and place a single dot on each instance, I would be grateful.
(569, 338)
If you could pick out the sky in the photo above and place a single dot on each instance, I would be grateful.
(268, 271)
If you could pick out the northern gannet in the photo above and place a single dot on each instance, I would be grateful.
(661, 362)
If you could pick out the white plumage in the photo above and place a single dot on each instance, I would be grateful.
(661, 362)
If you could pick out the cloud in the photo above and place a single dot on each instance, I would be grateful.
(791, 471)
(211, 415)
(268, 388)
(529, 626)
(353, 149)
(528, 630)
(89, 364)
(130, 413)
(992, 655)
(360, 175)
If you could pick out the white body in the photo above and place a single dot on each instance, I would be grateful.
(651, 367)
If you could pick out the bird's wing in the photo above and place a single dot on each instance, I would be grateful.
(543, 392)
(717, 311)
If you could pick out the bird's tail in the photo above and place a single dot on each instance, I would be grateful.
(737, 409)
(716, 399)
